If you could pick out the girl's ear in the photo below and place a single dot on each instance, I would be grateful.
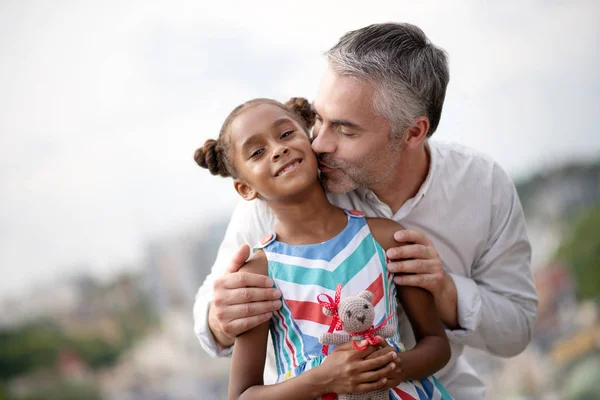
(244, 190)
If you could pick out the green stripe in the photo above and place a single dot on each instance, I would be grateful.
(445, 394)
(321, 277)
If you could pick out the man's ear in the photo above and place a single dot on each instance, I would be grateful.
(244, 189)
(416, 133)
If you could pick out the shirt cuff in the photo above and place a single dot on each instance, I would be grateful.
(204, 334)
(468, 304)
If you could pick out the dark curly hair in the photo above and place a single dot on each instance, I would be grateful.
(214, 154)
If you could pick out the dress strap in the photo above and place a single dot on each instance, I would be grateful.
(266, 240)
(354, 213)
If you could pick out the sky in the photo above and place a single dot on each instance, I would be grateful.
(102, 104)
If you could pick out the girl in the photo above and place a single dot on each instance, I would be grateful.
(265, 147)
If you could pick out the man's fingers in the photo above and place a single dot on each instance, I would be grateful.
(239, 326)
(239, 259)
(243, 280)
(409, 251)
(421, 280)
(414, 267)
(411, 235)
(247, 295)
(247, 310)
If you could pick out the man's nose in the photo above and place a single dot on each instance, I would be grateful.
(279, 152)
(324, 140)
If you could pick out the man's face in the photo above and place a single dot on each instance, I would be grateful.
(352, 143)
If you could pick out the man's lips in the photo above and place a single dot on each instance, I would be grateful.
(325, 168)
(289, 166)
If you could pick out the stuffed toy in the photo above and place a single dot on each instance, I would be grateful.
(355, 315)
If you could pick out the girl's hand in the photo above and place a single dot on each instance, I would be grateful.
(346, 370)
(396, 376)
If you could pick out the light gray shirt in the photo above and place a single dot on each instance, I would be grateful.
(469, 208)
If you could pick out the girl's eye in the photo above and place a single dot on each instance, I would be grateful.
(286, 134)
(256, 153)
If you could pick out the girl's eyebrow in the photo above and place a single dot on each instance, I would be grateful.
(280, 121)
(256, 137)
(250, 141)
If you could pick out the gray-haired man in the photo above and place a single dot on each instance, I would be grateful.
(378, 103)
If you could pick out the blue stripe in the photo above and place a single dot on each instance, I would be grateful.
(428, 387)
(325, 251)
(345, 271)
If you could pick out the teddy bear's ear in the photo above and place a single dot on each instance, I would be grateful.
(366, 295)
(327, 312)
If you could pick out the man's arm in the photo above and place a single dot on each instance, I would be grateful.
(494, 309)
(497, 305)
(248, 223)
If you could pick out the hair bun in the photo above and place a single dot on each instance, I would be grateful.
(302, 107)
(210, 157)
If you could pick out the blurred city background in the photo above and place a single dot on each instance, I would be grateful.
(108, 227)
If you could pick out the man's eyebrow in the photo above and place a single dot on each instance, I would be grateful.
(337, 122)
(344, 122)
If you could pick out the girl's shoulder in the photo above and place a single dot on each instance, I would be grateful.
(257, 264)
(383, 230)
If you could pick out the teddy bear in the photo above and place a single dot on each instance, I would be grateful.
(355, 315)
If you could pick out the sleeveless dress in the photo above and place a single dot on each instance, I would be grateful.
(301, 272)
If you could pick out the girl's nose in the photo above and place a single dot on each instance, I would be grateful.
(279, 152)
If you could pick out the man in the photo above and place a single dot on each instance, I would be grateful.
(378, 103)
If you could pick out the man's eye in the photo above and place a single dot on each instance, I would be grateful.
(286, 134)
(347, 134)
(256, 153)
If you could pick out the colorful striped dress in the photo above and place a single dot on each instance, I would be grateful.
(302, 272)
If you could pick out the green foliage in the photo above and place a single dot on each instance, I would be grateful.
(32, 346)
(581, 252)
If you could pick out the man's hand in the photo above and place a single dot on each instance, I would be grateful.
(241, 301)
(346, 370)
(417, 263)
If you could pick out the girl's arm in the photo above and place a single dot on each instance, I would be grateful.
(432, 350)
(248, 362)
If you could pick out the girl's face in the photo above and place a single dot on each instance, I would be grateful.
(271, 153)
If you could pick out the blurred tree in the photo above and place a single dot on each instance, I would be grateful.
(581, 252)
(32, 346)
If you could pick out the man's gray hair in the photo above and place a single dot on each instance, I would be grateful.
(410, 73)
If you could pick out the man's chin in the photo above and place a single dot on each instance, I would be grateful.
(336, 186)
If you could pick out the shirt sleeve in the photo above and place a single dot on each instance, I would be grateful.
(497, 304)
(249, 222)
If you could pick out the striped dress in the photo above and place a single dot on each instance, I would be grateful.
(302, 272)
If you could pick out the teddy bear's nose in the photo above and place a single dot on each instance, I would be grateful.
(361, 318)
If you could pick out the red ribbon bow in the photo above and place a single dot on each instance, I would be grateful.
(332, 305)
(369, 335)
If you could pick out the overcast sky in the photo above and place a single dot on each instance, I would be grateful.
(102, 105)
